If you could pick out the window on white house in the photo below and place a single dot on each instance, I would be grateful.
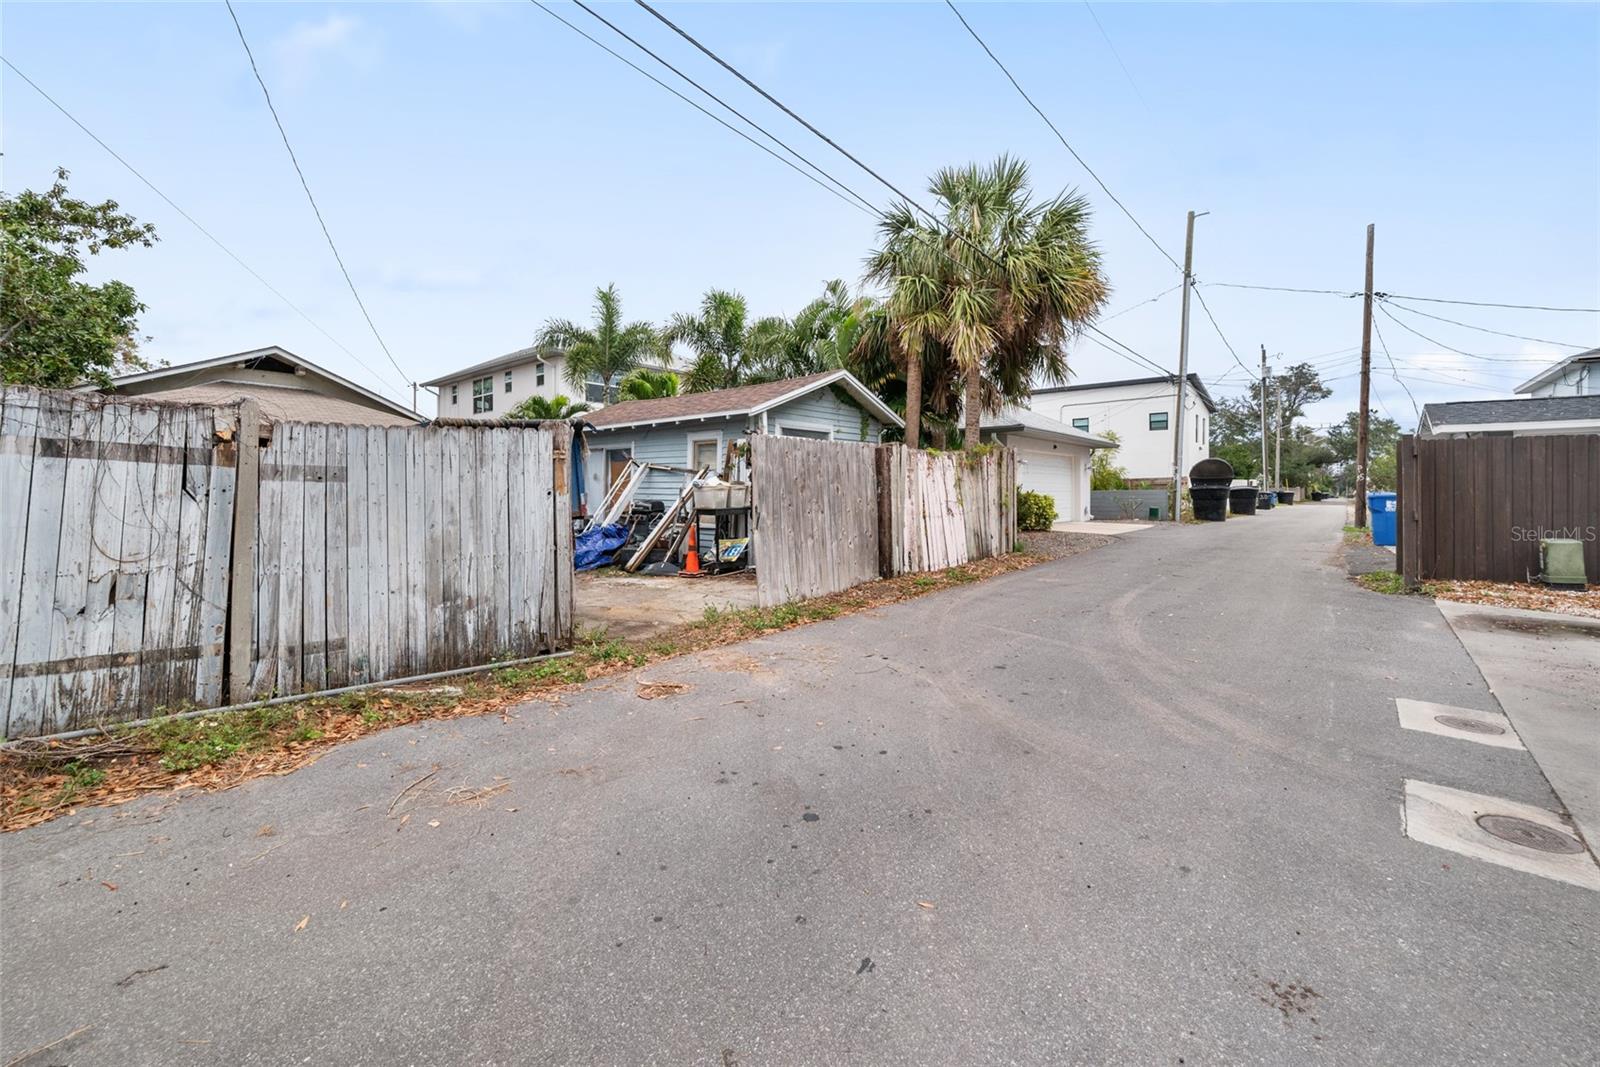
(508, 381)
(1158, 420)
(594, 389)
(454, 395)
(482, 395)
(1080, 424)
(806, 432)
(538, 373)
(704, 453)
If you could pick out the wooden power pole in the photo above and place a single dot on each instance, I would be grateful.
(1264, 373)
(1183, 375)
(1366, 390)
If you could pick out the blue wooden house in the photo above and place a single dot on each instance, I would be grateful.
(694, 430)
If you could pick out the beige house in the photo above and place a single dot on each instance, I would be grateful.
(288, 388)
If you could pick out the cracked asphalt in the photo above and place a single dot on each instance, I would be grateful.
(1140, 805)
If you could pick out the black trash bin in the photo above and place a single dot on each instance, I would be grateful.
(1242, 501)
(1208, 489)
(1268, 499)
(1286, 496)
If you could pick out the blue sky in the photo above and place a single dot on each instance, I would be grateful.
(483, 168)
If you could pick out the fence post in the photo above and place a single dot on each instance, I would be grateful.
(1408, 523)
(881, 465)
(242, 552)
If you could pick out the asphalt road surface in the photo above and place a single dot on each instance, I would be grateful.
(1142, 805)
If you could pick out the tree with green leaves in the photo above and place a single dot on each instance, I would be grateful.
(55, 330)
(819, 338)
(1001, 283)
(728, 348)
(606, 350)
(548, 407)
(1103, 471)
(644, 383)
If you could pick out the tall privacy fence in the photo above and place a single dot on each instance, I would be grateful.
(157, 556)
(1477, 507)
(830, 515)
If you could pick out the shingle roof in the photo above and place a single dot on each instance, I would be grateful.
(1525, 409)
(740, 400)
(279, 403)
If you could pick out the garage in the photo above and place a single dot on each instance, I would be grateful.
(1052, 457)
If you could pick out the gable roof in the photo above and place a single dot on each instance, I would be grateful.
(1554, 370)
(171, 382)
(1479, 415)
(1164, 379)
(1012, 419)
(738, 401)
(510, 359)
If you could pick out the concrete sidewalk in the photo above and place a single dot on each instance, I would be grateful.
(1545, 671)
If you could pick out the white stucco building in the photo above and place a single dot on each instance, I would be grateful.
(1577, 375)
(1142, 413)
(489, 390)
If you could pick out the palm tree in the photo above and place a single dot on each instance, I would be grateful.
(819, 338)
(606, 351)
(1000, 282)
(728, 349)
(646, 384)
(547, 407)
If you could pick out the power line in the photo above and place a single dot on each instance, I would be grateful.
(1142, 303)
(1383, 306)
(1137, 355)
(1487, 304)
(1395, 371)
(1485, 329)
(1283, 289)
(190, 219)
(1040, 112)
(1204, 307)
(1118, 55)
(303, 184)
(704, 111)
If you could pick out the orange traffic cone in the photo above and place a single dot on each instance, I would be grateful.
(691, 553)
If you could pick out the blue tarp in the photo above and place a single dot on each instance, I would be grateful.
(595, 548)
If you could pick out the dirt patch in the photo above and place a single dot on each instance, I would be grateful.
(40, 781)
(657, 690)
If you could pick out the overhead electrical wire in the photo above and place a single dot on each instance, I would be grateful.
(1481, 329)
(1382, 306)
(1142, 303)
(307, 187)
(1116, 54)
(1488, 304)
(191, 220)
(833, 144)
(1207, 309)
(1394, 370)
(1064, 142)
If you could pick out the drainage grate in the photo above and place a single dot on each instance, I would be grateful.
(1471, 726)
(1529, 834)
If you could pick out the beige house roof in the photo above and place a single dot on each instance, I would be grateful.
(281, 404)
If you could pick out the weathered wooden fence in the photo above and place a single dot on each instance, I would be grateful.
(156, 556)
(833, 514)
(946, 508)
(815, 520)
(1477, 507)
(383, 552)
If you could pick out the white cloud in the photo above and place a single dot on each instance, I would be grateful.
(309, 46)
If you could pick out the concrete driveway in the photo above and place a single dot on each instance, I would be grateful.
(1142, 805)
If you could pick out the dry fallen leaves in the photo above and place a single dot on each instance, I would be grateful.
(655, 690)
(925, 904)
(305, 921)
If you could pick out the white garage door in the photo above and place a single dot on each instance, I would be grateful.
(1053, 472)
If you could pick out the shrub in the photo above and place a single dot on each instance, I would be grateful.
(1035, 511)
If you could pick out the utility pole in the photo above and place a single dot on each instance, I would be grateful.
(1366, 387)
(1183, 371)
(413, 396)
(1277, 464)
(1264, 372)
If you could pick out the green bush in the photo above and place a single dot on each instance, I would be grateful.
(1035, 511)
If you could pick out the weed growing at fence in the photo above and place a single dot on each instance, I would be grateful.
(43, 780)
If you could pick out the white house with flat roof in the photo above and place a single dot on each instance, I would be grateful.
(1141, 412)
(1577, 375)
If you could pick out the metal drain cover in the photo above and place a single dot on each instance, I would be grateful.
(1529, 834)
(1471, 726)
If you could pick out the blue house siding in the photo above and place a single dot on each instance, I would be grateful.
(669, 444)
(822, 409)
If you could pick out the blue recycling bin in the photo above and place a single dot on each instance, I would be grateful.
(1382, 513)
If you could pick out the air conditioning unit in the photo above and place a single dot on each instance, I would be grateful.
(1561, 563)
